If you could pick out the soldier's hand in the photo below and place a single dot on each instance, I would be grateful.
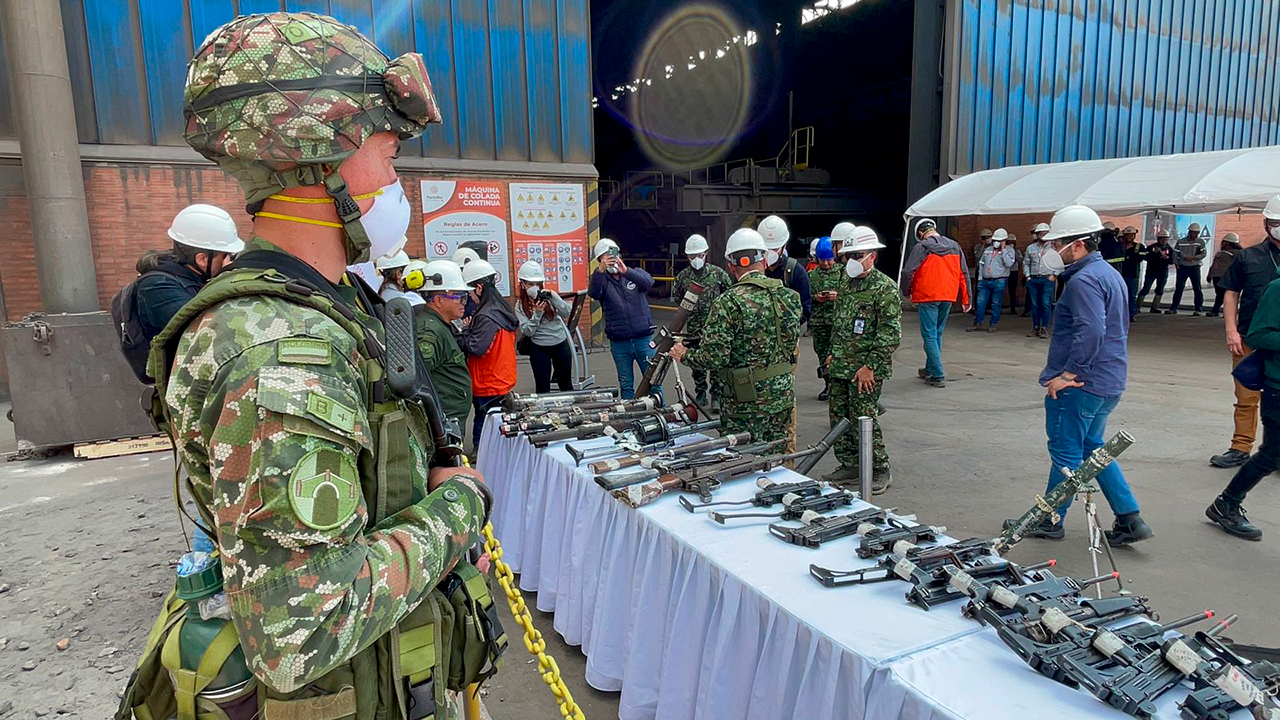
(677, 351)
(437, 476)
(866, 379)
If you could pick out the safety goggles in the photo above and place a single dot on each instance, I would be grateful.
(450, 296)
(859, 254)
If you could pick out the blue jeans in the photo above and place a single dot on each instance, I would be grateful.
(933, 321)
(1040, 296)
(481, 405)
(990, 292)
(1076, 424)
(1132, 284)
(627, 354)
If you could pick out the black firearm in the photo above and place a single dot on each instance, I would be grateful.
(645, 435)
(685, 457)
(654, 458)
(514, 401)
(770, 493)
(795, 506)
(960, 554)
(996, 603)
(407, 379)
(705, 480)
(631, 410)
(818, 529)
(556, 413)
(597, 428)
(1234, 682)
(666, 338)
(932, 587)
(882, 540)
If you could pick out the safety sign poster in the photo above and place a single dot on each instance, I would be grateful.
(548, 225)
(460, 211)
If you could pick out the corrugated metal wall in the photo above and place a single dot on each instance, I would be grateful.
(1058, 80)
(512, 76)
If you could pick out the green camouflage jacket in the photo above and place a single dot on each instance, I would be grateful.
(868, 326)
(755, 324)
(273, 422)
(714, 281)
(824, 313)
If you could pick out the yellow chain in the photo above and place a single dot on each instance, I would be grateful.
(532, 638)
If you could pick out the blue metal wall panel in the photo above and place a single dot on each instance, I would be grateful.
(166, 42)
(475, 91)
(358, 13)
(120, 88)
(510, 101)
(206, 16)
(250, 7)
(433, 30)
(542, 76)
(575, 80)
(1060, 80)
(320, 7)
(393, 25)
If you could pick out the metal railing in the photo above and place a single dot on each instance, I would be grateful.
(642, 187)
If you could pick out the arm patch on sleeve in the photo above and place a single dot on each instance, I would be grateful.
(324, 489)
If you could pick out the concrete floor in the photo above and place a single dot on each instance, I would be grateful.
(85, 545)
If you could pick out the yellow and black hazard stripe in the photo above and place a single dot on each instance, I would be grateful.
(593, 236)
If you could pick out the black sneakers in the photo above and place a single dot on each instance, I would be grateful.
(1229, 459)
(1231, 518)
(1128, 529)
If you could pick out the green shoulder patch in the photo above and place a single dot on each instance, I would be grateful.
(304, 351)
(331, 411)
(324, 489)
(427, 350)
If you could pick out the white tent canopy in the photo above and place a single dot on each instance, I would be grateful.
(1188, 184)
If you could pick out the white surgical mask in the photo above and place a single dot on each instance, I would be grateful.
(854, 268)
(1275, 232)
(387, 220)
(532, 292)
(697, 263)
(771, 257)
(1052, 260)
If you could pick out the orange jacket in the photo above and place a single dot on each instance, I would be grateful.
(494, 373)
(936, 271)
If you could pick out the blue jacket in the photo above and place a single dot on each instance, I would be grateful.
(1091, 328)
(625, 301)
(165, 287)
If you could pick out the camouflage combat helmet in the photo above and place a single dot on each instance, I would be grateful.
(279, 100)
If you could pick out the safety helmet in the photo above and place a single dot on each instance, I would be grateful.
(531, 271)
(604, 246)
(774, 231)
(1040, 227)
(747, 244)
(1162, 233)
(925, 225)
(281, 100)
(841, 232)
(1193, 227)
(695, 245)
(1129, 230)
(391, 262)
(205, 227)
(986, 233)
(1000, 234)
(1231, 238)
(1073, 221)
(813, 246)
(1108, 225)
(478, 270)
(824, 249)
(1272, 210)
(463, 255)
(434, 276)
(861, 239)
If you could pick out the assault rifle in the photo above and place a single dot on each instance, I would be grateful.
(818, 529)
(646, 435)
(554, 413)
(770, 493)
(514, 402)
(408, 379)
(1046, 508)
(705, 480)
(881, 540)
(597, 427)
(999, 604)
(630, 410)
(716, 451)
(961, 554)
(932, 587)
(795, 506)
(666, 338)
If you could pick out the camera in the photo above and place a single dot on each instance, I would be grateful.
(544, 295)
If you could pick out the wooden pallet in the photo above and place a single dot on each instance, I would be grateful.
(125, 446)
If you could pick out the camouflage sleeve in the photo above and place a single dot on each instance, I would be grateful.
(879, 354)
(678, 287)
(712, 352)
(310, 582)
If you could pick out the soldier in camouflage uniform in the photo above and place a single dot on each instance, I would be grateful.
(825, 281)
(713, 280)
(333, 529)
(749, 340)
(867, 329)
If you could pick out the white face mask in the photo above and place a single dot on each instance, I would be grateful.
(1275, 232)
(854, 268)
(771, 257)
(386, 222)
(697, 263)
(532, 292)
(1052, 260)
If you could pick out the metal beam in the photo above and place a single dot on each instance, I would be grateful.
(924, 133)
(730, 200)
(45, 118)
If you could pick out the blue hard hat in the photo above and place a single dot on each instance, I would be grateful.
(824, 250)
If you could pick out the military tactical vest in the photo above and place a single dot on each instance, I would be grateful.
(742, 384)
(452, 639)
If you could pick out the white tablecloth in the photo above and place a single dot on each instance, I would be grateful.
(691, 619)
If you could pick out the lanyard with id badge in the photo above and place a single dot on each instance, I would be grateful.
(859, 326)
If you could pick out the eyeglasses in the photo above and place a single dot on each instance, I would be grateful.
(859, 255)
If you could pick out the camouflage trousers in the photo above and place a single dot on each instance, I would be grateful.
(847, 402)
(763, 428)
(821, 346)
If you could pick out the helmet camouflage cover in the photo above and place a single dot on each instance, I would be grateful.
(279, 100)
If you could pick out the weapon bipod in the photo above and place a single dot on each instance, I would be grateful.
(1098, 539)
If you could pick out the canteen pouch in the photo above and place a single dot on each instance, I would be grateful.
(478, 638)
(149, 694)
(742, 381)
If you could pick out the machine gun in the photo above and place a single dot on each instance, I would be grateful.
(597, 428)
(666, 338)
(818, 529)
(729, 448)
(1046, 508)
(646, 435)
(770, 493)
(882, 540)
(705, 480)
(960, 554)
(515, 402)
(1236, 683)
(795, 506)
(631, 410)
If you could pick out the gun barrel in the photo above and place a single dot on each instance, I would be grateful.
(1188, 620)
(1100, 579)
(1223, 625)
(815, 453)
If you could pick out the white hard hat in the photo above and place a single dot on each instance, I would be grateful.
(813, 246)
(841, 232)
(435, 276)
(742, 240)
(605, 245)
(205, 227)
(463, 255)
(391, 262)
(531, 271)
(1000, 234)
(1193, 227)
(477, 270)
(861, 239)
(1272, 210)
(695, 245)
(1040, 227)
(1231, 237)
(1073, 221)
(775, 232)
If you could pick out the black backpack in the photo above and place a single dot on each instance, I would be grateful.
(135, 344)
